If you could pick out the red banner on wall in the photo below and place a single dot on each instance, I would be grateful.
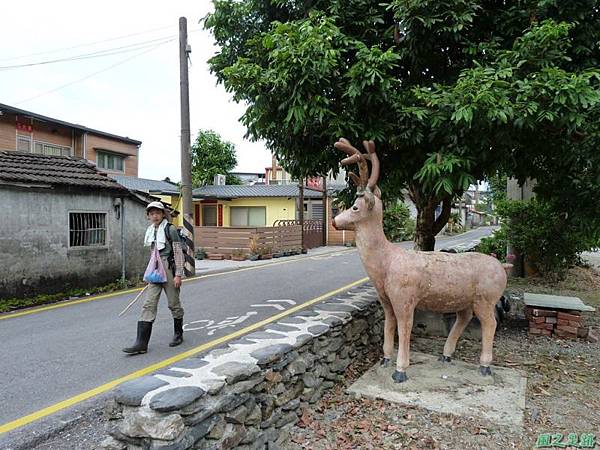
(24, 127)
(315, 183)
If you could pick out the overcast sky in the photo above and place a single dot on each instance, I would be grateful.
(139, 98)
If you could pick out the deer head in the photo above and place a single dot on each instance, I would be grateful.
(367, 206)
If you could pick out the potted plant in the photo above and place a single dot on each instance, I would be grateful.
(200, 253)
(254, 248)
(266, 252)
(238, 254)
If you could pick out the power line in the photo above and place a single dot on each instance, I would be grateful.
(85, 45)
(96, 54)
(91, 74)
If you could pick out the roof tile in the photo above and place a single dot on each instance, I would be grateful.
(19, 167)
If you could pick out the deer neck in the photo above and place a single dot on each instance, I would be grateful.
(373, 247)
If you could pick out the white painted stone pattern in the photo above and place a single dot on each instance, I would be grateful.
(251, 392)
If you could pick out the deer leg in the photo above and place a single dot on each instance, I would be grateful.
(486, 315)
(389, 334)
(405, 323)
(462, 320)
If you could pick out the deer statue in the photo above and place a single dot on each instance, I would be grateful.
(406, 280)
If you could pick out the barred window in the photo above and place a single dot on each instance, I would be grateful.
(87, 229)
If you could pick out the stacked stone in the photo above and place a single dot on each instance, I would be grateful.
(555, 322)
(248, 396)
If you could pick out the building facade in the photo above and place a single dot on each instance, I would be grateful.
(66, 226)
(30, 132)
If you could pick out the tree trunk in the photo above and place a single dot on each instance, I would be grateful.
(424, 236)
(427, 225)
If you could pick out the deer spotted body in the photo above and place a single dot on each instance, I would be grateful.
(467, 284)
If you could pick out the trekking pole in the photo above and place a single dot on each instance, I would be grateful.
(133, 301)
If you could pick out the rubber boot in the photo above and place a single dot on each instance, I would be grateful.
(178, 336)
(144, 330)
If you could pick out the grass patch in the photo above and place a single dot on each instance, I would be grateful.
(12, 304)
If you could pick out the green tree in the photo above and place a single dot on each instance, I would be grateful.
(211, 156)
(452, 91)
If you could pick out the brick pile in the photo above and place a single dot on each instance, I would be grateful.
(555, 322)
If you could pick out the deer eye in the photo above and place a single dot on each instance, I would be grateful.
(355, 208)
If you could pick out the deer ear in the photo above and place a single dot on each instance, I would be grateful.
(377, 192)
(369, 199)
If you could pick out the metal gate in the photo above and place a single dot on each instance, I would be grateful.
(312, 232)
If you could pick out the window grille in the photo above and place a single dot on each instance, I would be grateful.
(87, 229)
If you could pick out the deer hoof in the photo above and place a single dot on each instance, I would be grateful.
(445, 359)
(385, 362)
(399, 377)
(485, 371)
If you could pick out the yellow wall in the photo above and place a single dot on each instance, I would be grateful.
(175, 202)
(276, 208)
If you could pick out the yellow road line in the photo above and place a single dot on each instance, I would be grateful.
(130, 291)
(9, 426)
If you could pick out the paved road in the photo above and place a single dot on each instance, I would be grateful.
(53, 355)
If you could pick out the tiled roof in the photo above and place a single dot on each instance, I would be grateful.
(257, 190)
(21, 168)
(146, 185)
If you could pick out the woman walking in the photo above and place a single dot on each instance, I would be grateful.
(162, 235)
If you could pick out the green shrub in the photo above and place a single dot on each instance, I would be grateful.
(397, 224)
(495, 244)
(550, 239)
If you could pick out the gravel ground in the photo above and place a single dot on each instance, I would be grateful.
(563, 396)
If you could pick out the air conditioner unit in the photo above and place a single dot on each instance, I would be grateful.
(219, 180)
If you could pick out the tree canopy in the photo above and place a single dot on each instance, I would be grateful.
(451, 91)
(212, 156)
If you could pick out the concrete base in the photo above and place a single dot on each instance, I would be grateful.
(455, 388)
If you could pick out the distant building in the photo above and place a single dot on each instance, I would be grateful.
(250, 178)
(30, 132)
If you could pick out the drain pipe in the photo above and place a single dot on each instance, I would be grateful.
(123, 240)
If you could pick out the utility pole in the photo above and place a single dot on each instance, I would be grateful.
(186, 157)
(301, 209)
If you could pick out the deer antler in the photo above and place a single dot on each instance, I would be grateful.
(357, 157)
(372, 156)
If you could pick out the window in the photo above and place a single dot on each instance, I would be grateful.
(252, 216)
(23, 143)
(209, 216)
(87, 229)
(110, 161)
(42, 148)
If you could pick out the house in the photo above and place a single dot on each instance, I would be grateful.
(227, 217)
(165, 190)
(65, 225)
(256, 205)
(30, 132)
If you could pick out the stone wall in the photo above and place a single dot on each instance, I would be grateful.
(248, 394)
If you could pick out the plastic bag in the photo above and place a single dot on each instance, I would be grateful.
(155, 272)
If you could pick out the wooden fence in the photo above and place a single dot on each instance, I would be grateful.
(339, 237)
(226, 240)
(313, 231)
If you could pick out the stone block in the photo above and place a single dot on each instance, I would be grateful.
(132, 392)
(148, 424)
(176, 398)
